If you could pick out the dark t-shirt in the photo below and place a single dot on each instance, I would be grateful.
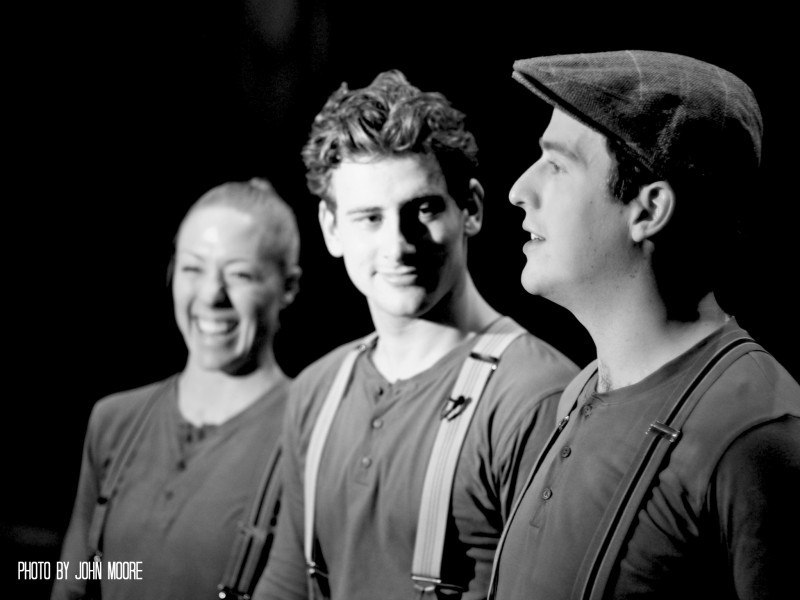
(374, 463)
(710, 528)
(177, 509)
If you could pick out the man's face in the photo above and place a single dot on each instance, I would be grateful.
(226, 291)
(402, 236)
(580, 247)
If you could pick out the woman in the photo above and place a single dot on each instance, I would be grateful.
(204, 437)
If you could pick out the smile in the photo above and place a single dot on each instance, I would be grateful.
(215, 326)
(403, 276)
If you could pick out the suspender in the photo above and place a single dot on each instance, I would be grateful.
(612, 532)
(606, 545)
(252, 545)
(315, 446)
(110, 484)
(566, 404)
(437, 488)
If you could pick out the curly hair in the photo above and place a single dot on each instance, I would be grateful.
(390, 117)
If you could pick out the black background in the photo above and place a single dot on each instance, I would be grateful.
(118, 116)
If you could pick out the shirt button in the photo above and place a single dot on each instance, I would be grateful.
(181, 465)
(380, 391)
(587, 410)
(547, 493)
(565, 452)
(169, 494)
(377, 423)
(366, 462)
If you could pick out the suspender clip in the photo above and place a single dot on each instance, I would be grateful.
(226, 593)
(665, 431)
(454, 407)
(492, 360)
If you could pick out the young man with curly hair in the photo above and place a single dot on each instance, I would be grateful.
(395, 171)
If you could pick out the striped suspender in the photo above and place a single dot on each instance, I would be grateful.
(316, 445)
(437, 488)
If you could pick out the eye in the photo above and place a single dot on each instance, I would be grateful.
(368, 219)
(555, 167)
(191, 269)
(430, 207)
(246, 276)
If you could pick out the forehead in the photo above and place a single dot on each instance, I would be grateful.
(223, 230)
(385, 181)
(567, 135)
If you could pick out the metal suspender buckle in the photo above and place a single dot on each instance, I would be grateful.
(314, 571)
(492, 360)
(665, 431)
(433, 585)
(226, 593)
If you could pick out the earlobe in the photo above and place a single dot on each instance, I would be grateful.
(327, 222)
(473, 210)
(651, 210)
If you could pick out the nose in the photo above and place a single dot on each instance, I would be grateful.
(212, 289)
(396, 233)
(524, 192)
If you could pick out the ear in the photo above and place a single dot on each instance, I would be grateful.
(291, 285)
(473, 208)
(330, 231)
(651, 210)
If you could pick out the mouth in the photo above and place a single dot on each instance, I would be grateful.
(535, 237)
(215, 327)
(401, 276)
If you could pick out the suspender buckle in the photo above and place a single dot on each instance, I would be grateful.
(433, 585)
(314, 571)
(492, 360)
(226, 593)
(665, 431)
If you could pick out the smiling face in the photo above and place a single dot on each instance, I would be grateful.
(402, 236)
(580, 247)
(227, 291)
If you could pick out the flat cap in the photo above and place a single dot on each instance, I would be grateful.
(671, 112)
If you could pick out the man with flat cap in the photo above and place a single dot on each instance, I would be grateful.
(675, 467)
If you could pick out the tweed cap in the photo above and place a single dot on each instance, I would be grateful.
(672, 113)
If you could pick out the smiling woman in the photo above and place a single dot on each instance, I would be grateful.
(199, 441)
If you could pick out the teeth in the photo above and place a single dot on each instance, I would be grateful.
(537, 238)
(211, 326)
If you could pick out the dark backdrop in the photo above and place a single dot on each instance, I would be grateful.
(122, 114)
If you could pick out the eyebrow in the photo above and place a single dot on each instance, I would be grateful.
(562, 149)
(419, 199)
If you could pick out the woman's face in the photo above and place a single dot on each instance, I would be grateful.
(227, 291)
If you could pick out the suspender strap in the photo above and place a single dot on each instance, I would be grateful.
(317, 444)
(566, 404)
(455, 420)
(253, 543)
(111, 481)
(612, 533)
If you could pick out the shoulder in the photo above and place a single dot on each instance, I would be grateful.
(310, 387)
(532, 368)
(112, 416)
(737, 410)
(525, 388)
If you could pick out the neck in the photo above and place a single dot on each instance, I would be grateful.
(213, 397)
(408, 346)
(635, 338)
